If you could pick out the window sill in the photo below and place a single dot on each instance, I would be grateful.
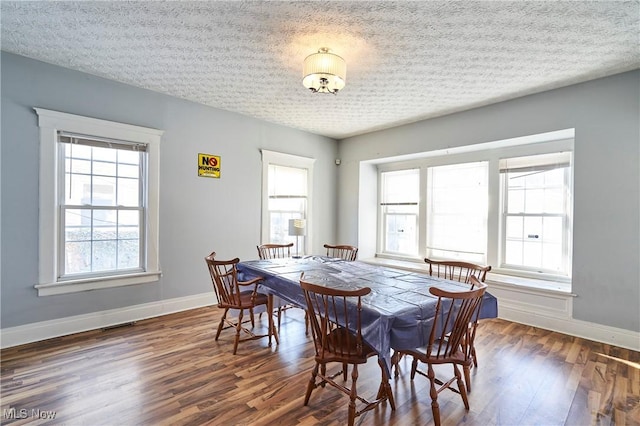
(75, 286)
(502, 280)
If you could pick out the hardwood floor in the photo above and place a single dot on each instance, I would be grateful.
(170, 371)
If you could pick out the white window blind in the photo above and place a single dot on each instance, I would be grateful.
(457, 202)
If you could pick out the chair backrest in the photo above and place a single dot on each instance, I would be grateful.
(455, 322)
(224, 275)
(457, 271)
(342, 251)
(274, 251)
(334, 316)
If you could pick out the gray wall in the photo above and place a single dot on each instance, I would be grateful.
(606, 116)
(197, 215)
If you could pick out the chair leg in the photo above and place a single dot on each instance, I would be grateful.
(467, 375)
(312, 383)
(253, 321)
(238, 330)
(474, 356)
(435, 408)
(414, 367)
(224, 316)
(461, 388)
(306, 323)
(395, 360)
(353, 395)
(345, 370)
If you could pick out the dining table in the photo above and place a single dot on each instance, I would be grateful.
(397, 314)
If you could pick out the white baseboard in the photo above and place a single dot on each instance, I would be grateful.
(28, 333)
(553, 310)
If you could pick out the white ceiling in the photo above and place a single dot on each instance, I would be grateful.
(406, 61)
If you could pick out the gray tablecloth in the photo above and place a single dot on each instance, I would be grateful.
(397, 314)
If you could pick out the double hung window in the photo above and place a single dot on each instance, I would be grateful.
(102, 206)
(400, 196)
(99, 203)
(535, 212)
(287, 200)
(286, 184)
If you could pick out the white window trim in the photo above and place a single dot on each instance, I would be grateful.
(288, 160)
(50, 122)
(491, 152)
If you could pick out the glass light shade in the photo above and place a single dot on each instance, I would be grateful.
(324, 72)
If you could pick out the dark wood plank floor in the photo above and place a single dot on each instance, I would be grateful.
(170, 371)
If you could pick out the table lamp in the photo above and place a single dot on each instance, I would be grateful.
(297, 228)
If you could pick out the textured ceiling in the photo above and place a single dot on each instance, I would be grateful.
(406, 61)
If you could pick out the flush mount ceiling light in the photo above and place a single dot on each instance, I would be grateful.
(324, 72)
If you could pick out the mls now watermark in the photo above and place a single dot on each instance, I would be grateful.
(24, 413)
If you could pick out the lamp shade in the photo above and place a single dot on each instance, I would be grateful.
(297, 227)
(324, 72)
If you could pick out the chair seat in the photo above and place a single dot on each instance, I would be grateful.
(245, 301)
(337, 344)
(437, 354)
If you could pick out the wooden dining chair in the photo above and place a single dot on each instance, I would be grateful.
(334, 316)
(450, 341)
(274, 251)
(461, 272)
(238, 295)
(277, 251)
(342, 251)
(456, 270)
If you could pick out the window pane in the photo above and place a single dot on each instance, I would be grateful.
(532, 255)
(128, 254)
(104, 256)
(552, 257)
(128, 157)
(401, 186)
(77, 225)
(78, 166)
(513, 253)
(279, 228)
(104, 154)
(554, 200)
(77, 257)
(104, 225)
(103, 191)
(515, 227)
(104, 168)
(128, 192)
(401, 235)
(128, 170)
(77, 189)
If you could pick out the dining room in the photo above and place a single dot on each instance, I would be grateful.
(219, 164)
